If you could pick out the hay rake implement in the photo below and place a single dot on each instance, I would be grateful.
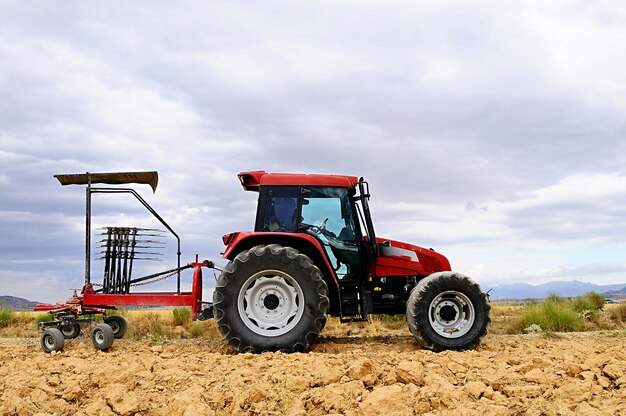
(120, 248)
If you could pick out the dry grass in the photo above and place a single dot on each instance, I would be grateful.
(378, 325)
(164, 324)
(617, 312)
(501, 317)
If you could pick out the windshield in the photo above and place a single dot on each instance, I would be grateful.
(327, 215)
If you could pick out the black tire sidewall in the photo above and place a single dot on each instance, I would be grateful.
(108, 335)
(119, 322)
(450, 282)
(57, 337)
(230, 284)
(70, 335)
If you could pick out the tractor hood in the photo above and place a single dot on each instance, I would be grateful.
(402, 259)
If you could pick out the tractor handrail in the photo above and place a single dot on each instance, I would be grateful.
(364, 196)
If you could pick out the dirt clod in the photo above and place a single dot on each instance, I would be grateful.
(573, 374)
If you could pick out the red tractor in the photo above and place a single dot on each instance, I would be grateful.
(314, 253)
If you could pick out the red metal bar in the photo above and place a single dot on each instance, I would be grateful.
(192, 299)
(196, 290)
(139, 299)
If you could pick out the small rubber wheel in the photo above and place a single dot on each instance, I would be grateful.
(118, 324)
(448, 311)
(52, 340)
(102, 337)
(70, 331)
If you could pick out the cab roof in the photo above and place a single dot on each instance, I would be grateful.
(251, 181)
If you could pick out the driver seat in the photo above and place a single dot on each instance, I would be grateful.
(285, 212)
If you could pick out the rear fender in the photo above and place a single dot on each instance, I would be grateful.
(304, 243)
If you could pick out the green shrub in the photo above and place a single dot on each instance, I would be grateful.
(589, 303)
(596, 299)
(43, 317)
(619, 313)
(196, 329)
(553, 314)
(182, 316)
(6, 316)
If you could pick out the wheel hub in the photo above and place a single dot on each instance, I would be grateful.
(451, 314)
(447, 313)
(270, 303)
(49, 341)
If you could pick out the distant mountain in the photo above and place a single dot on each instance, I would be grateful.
(619, 292)
(17, 304)
(564, 288)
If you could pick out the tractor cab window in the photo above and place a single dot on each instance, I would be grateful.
(281, 209)
(327, 214)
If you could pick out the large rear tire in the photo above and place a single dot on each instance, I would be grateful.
(448, 311)
(270, 298)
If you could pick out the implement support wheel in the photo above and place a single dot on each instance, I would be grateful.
(70, 331)
(102, 337)
(52, 340)
(118, 324)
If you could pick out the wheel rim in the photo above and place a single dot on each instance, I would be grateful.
(68, 330)
(114, 326)
(270, 303)
(451, 314)
(48, 341)
(99, 337)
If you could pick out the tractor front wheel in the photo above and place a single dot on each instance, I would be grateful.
(448, 311)
(270, 298)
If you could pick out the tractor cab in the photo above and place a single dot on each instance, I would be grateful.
(365, 274)
(327, 213)
(314, 252)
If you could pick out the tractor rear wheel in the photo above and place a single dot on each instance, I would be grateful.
(270, 298)
(448, 311)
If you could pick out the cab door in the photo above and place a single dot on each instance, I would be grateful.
(328, 214)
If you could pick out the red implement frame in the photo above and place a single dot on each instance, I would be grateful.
(94, 303)
(91, 302)
(192, 299)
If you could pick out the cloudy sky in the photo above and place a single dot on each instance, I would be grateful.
(494, 132)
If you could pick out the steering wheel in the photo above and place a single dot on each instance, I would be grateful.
(321, 229)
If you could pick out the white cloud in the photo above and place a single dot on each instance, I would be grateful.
(494, 133)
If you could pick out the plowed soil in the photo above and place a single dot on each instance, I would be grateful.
(569, 374)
